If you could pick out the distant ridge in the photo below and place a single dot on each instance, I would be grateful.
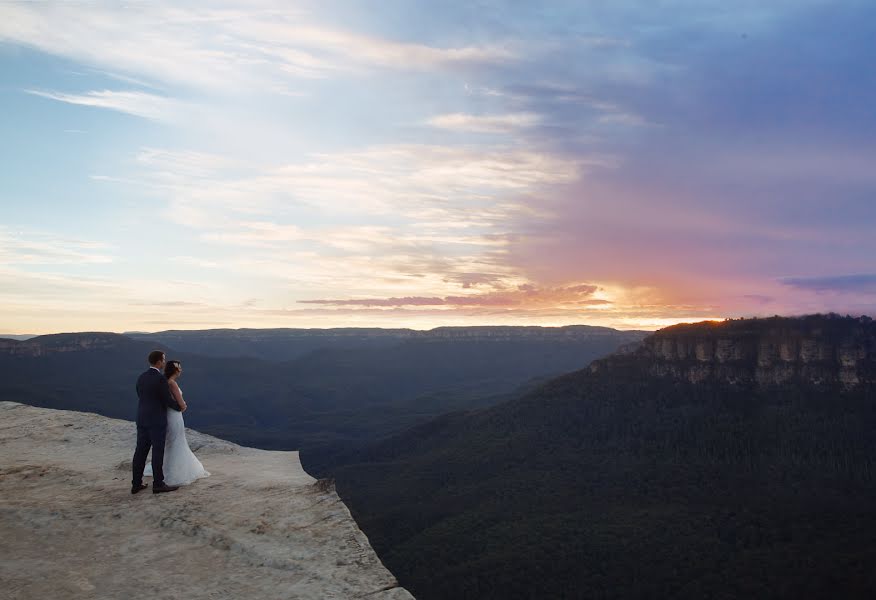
(55, 343)
(290, 343)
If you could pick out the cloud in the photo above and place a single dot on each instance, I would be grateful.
(228, 49)
(189, 163)
(425, 217)
(140, 104)
(622, 118)
(751, 175)
(414, 182)
(630, 166)
(356, 48)
(484, 123)
(862, 282)
(42, 248)
(194, 261)
(524, 295)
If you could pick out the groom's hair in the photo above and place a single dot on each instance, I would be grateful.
(155, 357)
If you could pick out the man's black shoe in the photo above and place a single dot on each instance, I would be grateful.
(158, 489)
(137, 488)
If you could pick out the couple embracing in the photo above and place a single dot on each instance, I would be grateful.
(160, 426)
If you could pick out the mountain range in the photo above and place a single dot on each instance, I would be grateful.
(710, 460)
(317, 391)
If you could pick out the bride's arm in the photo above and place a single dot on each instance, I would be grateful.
(177, 394)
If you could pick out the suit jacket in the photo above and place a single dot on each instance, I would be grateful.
(155, 398)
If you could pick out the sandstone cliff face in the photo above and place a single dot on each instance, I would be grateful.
(815, 350)
(258, 527)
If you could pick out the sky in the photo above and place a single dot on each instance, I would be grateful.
(410, 163)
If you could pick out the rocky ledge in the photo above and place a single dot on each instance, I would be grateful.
(258, 527)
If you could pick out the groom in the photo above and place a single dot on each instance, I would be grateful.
(155, 399)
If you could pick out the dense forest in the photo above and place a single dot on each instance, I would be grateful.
(615, 483)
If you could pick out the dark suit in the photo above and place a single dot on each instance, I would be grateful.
(155, 398)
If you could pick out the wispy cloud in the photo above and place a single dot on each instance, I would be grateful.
(622, 118)
(860, 282)
(426, 217)
(484, 123)
(416, 182)
(524, 295)
(140, 104)
(219, 49)
(194, 261)
(41, 248)
(349, 48)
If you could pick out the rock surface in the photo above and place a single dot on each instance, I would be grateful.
(258, 527)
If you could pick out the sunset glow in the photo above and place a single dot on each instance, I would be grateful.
(428, 164)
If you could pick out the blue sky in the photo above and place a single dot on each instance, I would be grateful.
(418, 164)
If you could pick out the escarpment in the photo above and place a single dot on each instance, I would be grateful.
(817, 349)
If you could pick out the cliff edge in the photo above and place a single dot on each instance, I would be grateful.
(258, 527)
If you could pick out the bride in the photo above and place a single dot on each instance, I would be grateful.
(181, 466)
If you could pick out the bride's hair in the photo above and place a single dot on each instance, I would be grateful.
(172, 368)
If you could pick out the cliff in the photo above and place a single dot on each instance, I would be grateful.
(816, 349)
(258, 527)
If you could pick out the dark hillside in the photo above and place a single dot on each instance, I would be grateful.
(630, 479)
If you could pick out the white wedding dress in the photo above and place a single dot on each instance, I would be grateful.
(181, 466)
